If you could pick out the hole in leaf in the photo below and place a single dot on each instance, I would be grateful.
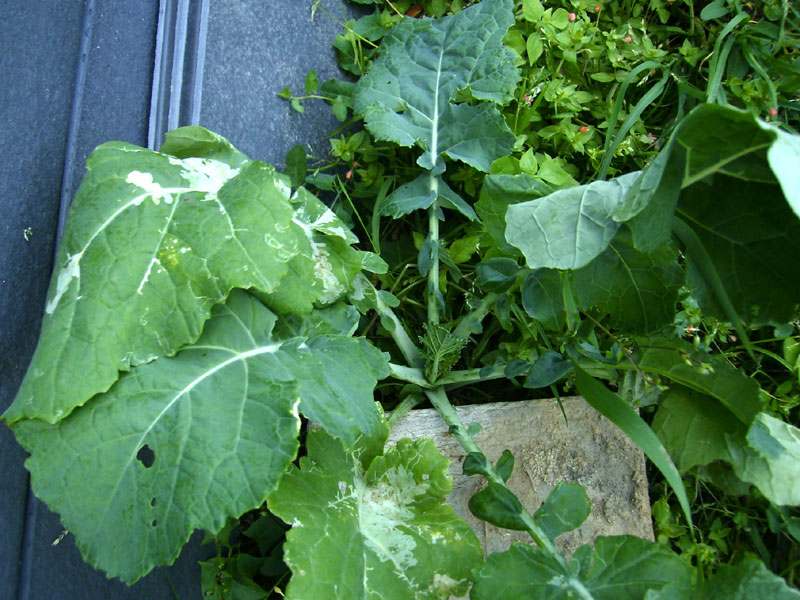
(146, 456)
(153, 502)
(155, 523)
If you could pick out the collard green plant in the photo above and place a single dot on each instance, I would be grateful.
(203, 305)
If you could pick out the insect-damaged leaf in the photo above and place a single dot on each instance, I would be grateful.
(424, 66)
(189, 441)
(379, 530)
(151, 244)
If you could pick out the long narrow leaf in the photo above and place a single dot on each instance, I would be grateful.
(616, 410)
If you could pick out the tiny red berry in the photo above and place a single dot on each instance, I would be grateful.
(596, 9)
(773, 112)
(691, 329)
(652, 137)
(414, 10)
(628, 38)
(348, 175)
(572, 16)
(583, 129)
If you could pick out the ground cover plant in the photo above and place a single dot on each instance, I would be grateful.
(500, 225)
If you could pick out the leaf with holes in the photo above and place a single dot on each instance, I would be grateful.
(151, 244)
(373, 526)
(186, 442)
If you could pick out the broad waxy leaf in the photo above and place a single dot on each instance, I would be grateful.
(752, 238)
(617, 568)
(424, 66)
(378, 530)
(151, 244)
(770, 459)
(712, 139)
(637, 290)
(498, 192)
(700, 372)
(568, 228)
(186, 442)
(693, 427)
(543, 299)
(746, 580)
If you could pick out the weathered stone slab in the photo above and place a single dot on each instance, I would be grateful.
(588, 450)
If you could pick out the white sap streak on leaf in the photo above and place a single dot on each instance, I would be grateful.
(153, 189)
(384, 509)
(207, 175)
(283, 187)
(147, 274)
(323, 270)
(71, 270)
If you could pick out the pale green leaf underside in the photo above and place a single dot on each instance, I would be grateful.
(568, 228)
(383, 534)
(152, 243)
(407, 97)
(221, 418)
(617, 568)
(770, 459)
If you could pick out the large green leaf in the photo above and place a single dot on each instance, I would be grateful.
(747, 580)
(697, 370)
(377, 530)
(693, 427)
(712, 139)
(424, 66)
(186, 442)
(637, 290)
(151, 244)
(498, 192)
(770, 459)
(752, 237)
(617, 568)
(568, 228)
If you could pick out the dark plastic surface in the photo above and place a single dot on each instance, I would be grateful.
(76, 74)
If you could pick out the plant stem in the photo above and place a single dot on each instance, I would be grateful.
(470, 376)
(433, 274)
(399, 334)
(464, 327)
(447, 411)
(409, 374)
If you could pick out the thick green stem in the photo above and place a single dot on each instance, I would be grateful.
(409, 374)
(470, 376)
(464, 327)
(448, 412)
(433, 274)
(399, 334)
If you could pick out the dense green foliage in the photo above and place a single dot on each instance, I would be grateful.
(543, 197)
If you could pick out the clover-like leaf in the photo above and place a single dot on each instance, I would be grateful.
(380, 531)
(189, 441)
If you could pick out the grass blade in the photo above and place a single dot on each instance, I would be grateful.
(616, 410)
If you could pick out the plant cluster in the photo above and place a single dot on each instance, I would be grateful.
(494, 254)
